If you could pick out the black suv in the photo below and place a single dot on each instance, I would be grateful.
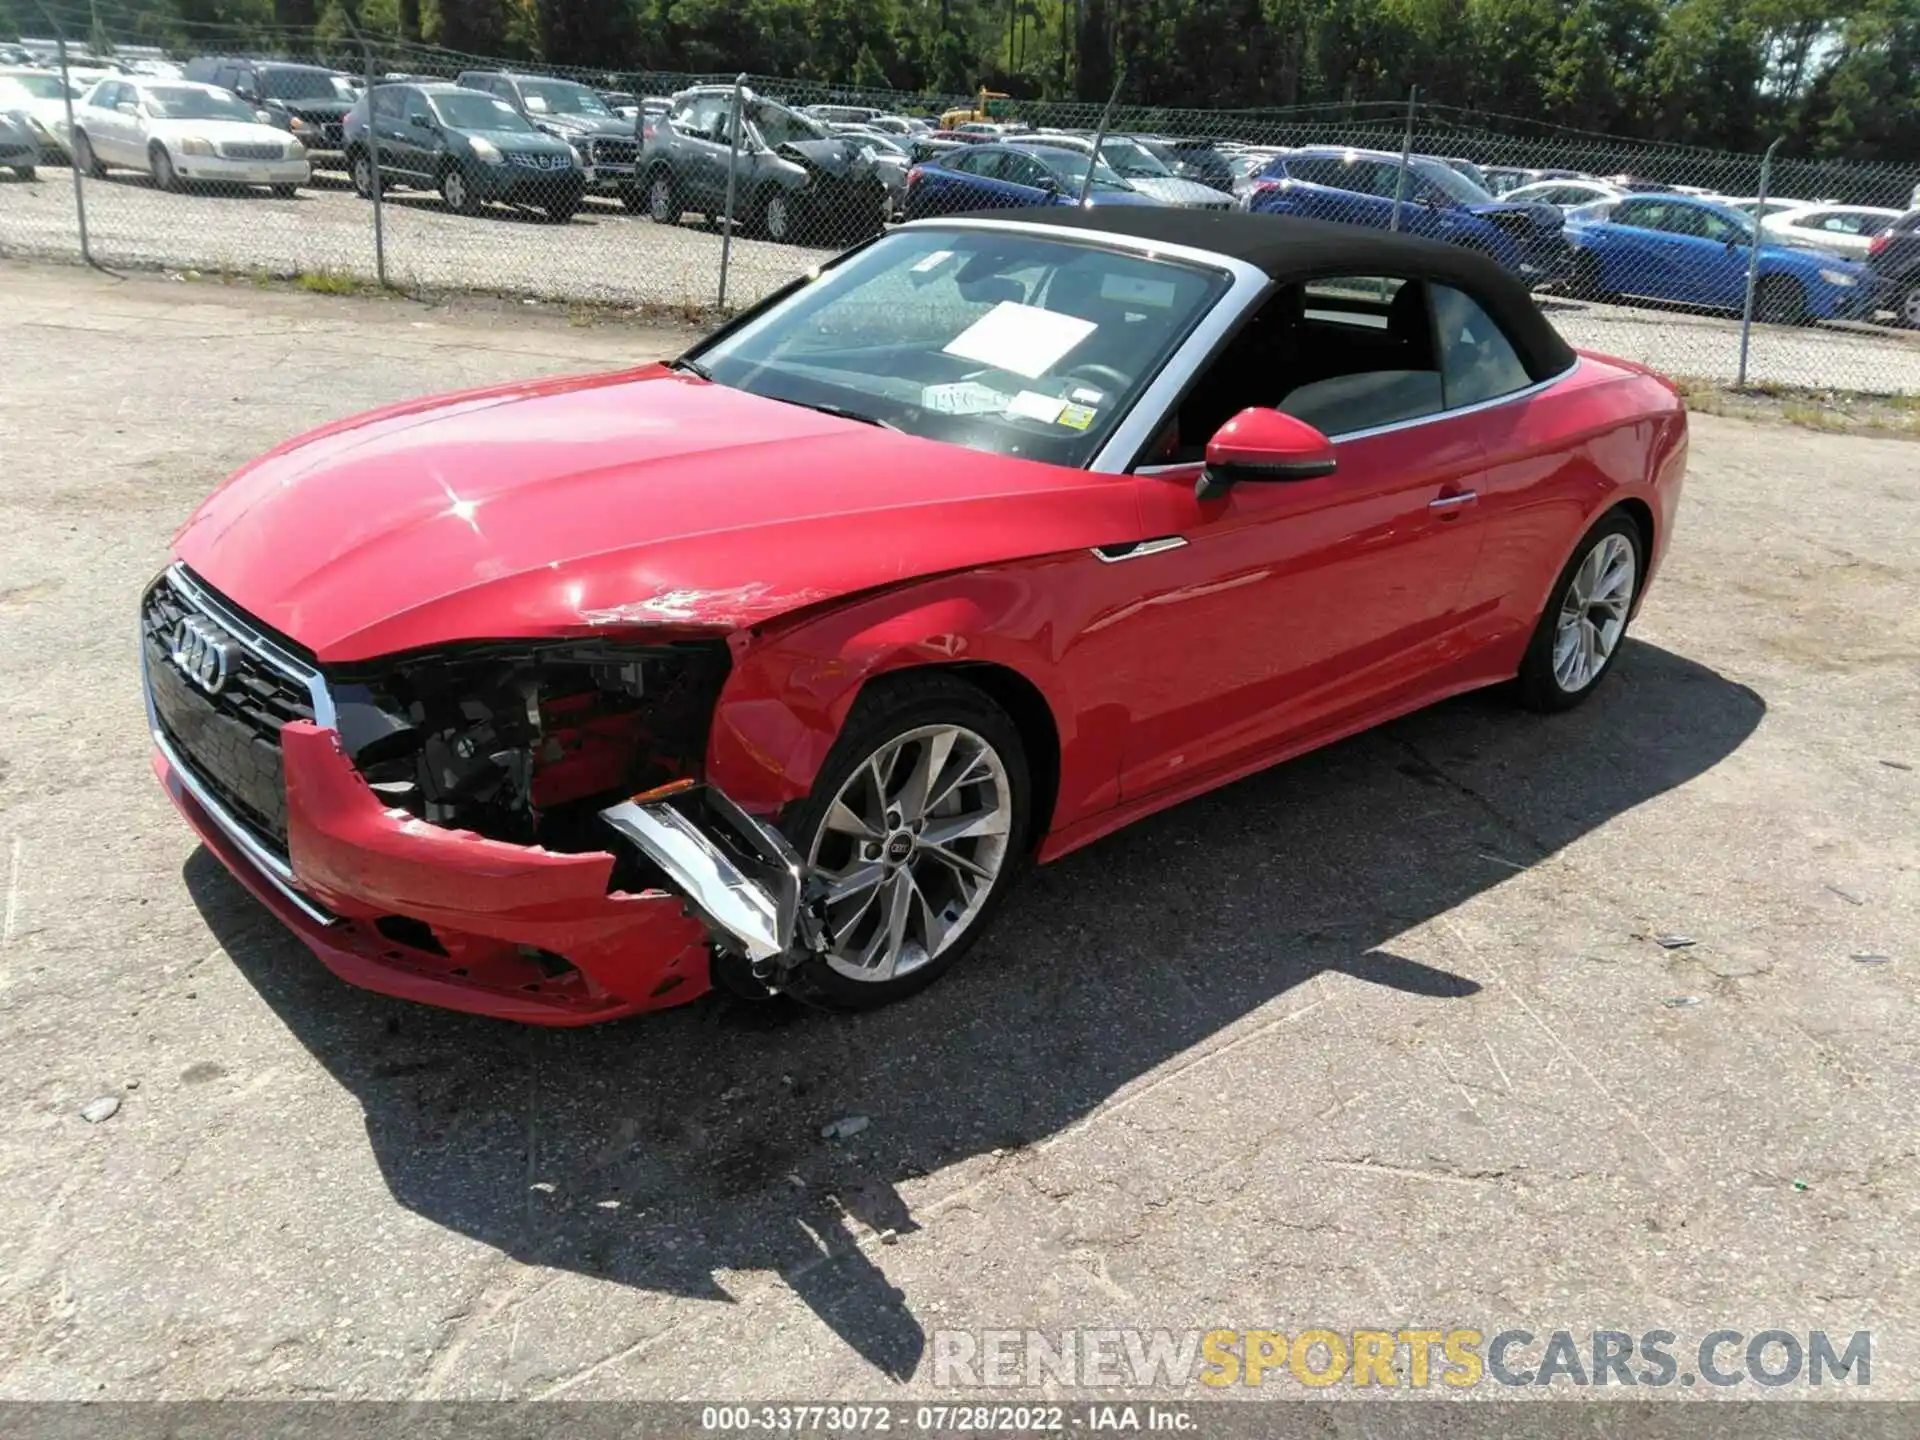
(608, 147)
(470, 146)
(794, 179)
(1894, 255)
(307, 100)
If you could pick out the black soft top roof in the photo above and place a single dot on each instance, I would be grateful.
(1289, 249)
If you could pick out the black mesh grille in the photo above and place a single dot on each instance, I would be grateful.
(615, 152)
(230, 740)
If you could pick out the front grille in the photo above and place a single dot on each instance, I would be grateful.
(615, 152)
(230, 740)
(538, 160)
(241, 150)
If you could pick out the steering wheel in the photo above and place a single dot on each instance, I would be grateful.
(1112, 378)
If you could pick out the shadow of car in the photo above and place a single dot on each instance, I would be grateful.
(1106, 966)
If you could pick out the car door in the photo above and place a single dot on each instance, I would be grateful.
(418, 143)
(1640, 254)
(1717, 259)
(106, 127)
(1025, 181)
(1283, 610)
(386, 119)
(699, 166)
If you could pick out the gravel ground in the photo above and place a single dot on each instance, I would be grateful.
(604, 254)
(1376, 1039)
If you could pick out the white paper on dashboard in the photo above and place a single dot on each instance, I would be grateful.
(964, 397)
(1035, 406)
(1025, 339)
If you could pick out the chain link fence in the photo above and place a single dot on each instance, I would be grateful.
(418, 168)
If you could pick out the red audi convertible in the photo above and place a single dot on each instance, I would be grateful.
(772, 666)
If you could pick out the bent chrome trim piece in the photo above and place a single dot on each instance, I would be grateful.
(1135, 550)
(273, 869)
(738, 872)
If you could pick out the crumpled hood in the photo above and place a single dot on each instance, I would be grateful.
(1188, 194)
(585, 124)
(579, 506)
(837, 156)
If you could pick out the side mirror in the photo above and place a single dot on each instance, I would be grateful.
(420, 122)
(1049, 184)
(1260, 444)
(127, 107)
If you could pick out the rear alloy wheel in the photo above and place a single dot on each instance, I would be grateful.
(1910, 307)
(1585, 621)
(456, 192)
(663, 204)
(1779, 300)
(83, 157)
(164, 175)
(360, 172)
(915, 826)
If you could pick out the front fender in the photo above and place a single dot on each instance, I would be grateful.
(791, 688)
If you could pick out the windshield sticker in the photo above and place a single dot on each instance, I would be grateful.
(967, 397)
(1081, 395)
(537, 104)
(1025, 339)
(1076, 417)
(1034, 406)
(1137, 289)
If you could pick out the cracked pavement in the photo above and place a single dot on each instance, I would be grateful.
(1380, 1038)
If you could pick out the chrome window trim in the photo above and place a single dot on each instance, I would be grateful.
(262, 648)
(1538, 387)
(273, 869)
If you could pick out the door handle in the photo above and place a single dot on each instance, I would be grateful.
(1453, 502)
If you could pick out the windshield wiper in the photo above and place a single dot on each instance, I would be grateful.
(691, 367)
(838, 411)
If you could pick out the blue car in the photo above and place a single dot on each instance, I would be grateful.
(1694, 252)
(1360, 187)
(1010, 177)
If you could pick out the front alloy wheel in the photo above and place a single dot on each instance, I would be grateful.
(776, 218)
(912, 835)
(912, 846)
(1910, 307)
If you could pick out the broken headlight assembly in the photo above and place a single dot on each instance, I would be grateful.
(526, 742)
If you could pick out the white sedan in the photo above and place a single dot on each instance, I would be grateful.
(1565, 193)
(179, 132)
(1843, 229)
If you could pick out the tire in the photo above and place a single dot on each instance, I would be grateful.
(773, 217)
(1589, 280)
(1909, 306)
(456, 192)
(912, 712)
(286, 192)
(1780, 300)
(1548, 682)
(360, 173)
(165, 178)
(26, 172)
(663, 199)
(84, 157)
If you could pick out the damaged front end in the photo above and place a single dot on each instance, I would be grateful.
(528, 744)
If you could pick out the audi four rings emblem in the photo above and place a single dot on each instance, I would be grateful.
(203, 652)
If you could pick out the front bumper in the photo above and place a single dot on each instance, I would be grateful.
(212, 168)
(446, 917)
(516, 185)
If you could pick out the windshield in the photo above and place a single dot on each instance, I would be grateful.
(561, 97)
(1450, 182)
(184, 102)
(1070, 169)
(780, 126)
(1131, 159)
(33, 87)
(1001, 342)
(298, 85)
(474, 111)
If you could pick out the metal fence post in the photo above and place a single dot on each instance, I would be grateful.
(1406, 158)
(373, 165)
(733, 164)
(73, 163)
(1753, 262)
